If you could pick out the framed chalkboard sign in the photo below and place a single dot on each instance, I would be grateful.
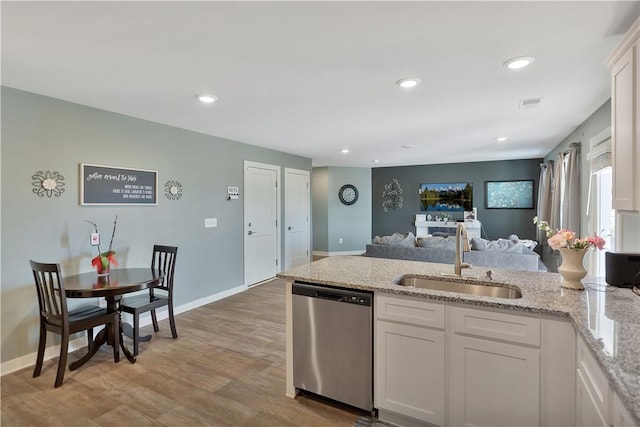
(108, 185)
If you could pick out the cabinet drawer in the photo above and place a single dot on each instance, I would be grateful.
(499, 326)
(593, 376)
(410, 310)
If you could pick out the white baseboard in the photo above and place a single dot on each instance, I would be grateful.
(76, 344)
(326, 254)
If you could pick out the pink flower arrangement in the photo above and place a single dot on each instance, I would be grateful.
(567, 238)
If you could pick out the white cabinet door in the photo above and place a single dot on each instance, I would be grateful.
(410, 371)
(625, 141)
(493, 384)
(620, 416)
(587, 412)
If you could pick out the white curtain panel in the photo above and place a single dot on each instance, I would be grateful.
(556, 193)
(571, 195)
(544, 197)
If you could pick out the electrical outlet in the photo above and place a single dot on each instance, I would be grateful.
(340, 240)
(95, 239)
(210, 222)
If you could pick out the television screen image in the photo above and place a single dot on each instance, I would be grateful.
(447, 197)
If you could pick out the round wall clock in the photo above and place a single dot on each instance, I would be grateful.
(348, 194)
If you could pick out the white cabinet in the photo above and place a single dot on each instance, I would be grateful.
(620, 416)
(424, 228)
(493, 383)
(409, 360)
(592, 390)
(625, 121)
(596, 403)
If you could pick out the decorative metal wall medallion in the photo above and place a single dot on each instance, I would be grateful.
(173, 190)
(49, 183)
(392, 196)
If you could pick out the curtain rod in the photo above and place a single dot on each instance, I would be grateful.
(572, 145)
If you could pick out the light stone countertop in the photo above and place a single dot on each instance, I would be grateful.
(608, 318)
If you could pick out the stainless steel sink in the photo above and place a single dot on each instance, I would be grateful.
(465, 288)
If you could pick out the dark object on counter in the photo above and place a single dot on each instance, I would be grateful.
(622, 269)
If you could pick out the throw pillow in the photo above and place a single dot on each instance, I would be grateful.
(396, 239)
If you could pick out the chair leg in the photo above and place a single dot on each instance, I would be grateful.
(154, 320)
(62, 362)
(89, 337)
(172, 322)
(136, 332)
(116, 337)
(41, 346)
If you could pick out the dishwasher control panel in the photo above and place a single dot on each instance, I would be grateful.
(337, 294)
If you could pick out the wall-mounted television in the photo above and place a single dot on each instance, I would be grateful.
(446, 197)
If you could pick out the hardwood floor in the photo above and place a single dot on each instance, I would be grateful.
(225, 369)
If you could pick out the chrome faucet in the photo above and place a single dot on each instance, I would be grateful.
(459, 265)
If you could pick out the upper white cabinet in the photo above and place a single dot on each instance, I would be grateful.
(625, 121)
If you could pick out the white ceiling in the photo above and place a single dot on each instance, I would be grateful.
(312, 78)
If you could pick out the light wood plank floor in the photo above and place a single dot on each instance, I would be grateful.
(227, 368)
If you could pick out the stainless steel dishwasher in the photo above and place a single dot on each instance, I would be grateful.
(332, 343)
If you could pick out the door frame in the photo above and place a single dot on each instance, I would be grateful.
(248, 164)
(308, 230)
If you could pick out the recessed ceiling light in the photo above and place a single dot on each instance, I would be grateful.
(375, 161)
(206, 99)
(408, 82)
(501, 138)
(345, 151)
(519, 62)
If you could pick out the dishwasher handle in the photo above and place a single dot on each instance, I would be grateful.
(330, 293)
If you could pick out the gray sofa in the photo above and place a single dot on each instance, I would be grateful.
(523, 259)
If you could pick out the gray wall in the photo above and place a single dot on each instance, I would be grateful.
(351, 223)
(45, 134)
(495, 222)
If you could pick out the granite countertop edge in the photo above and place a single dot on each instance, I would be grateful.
(541, 294)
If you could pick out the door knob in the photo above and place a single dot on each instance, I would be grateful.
(289, 228)
(251, 232)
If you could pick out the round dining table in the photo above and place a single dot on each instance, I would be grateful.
(111, 287)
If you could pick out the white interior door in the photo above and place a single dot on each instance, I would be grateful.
(261, 211)
(296, 211)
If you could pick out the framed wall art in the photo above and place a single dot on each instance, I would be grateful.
(109, 185)
(509, 194)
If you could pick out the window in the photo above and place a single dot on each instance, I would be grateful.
(602, 218)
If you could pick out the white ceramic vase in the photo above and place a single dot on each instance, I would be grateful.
(571, 269)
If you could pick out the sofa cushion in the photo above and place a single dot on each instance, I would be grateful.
(500, 245)
(396, 239)
(437, 242)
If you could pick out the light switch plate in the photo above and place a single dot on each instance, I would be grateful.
(233, 193)
(210, 222)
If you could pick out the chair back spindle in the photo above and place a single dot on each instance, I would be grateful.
(50, 288)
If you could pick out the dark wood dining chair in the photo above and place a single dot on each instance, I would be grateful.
(164, 260)
(56, 318)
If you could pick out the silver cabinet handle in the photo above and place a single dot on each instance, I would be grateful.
(251, 232)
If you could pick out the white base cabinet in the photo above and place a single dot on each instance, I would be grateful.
(494, 371)
(490, 365)
(409, 359)
(493, 383)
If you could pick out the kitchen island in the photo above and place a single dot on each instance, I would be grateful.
(606, 319)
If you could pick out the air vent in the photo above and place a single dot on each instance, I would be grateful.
(526, 104)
